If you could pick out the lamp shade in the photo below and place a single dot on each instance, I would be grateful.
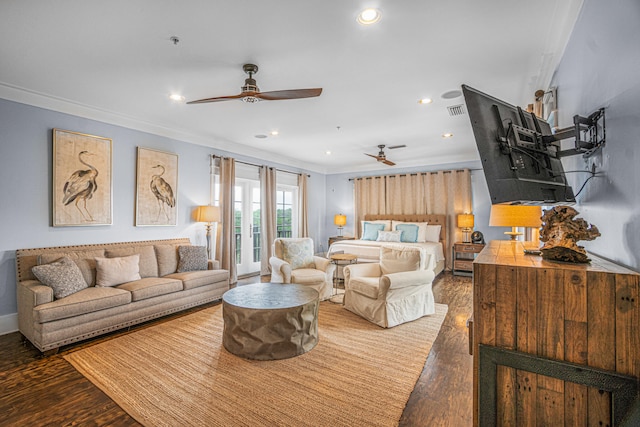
(207, 214)
(465, 221)
(340, 220)
(515, 216)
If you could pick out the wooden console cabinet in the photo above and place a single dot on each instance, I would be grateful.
(553, 343)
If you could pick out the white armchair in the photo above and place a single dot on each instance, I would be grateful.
(395, 291)
(293, 261)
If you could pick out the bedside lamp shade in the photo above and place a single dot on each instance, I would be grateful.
(515, 216)
(340, 220)
(466, 222)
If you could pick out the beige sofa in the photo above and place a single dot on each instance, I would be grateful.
(50, 323)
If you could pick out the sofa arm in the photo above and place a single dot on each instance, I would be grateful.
(360, 270)
(280, 270)
(32, 293)
(213, 264)
(403, 280)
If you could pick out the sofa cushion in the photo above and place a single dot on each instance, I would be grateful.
(115, 271)
(167, 256)
(82, 302)
(151, 287)
(367, 286)
(85, 260)
(192, 258)
(307, 276)
(195, 279)
(298, 253)
(63, 276)
(148, 262)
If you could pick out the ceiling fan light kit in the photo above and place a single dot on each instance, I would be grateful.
(251, 94)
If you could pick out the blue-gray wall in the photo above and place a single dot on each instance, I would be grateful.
(601, 68)
(25, 189)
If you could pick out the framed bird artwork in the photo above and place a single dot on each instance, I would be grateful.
(156, 188)
(82, 184)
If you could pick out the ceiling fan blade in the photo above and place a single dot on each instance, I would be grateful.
(289, 94)
(388, 162)
(397, 146)
(371, 155)
(218, 99)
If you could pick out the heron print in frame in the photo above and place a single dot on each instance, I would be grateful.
(156, 188)
(82, 193)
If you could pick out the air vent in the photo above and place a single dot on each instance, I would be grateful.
(456, 110)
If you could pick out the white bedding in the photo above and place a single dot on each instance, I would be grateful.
(369, 250)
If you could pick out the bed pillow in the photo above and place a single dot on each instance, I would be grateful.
(389, 236)
(433, 233)
(298, 253)
(422, 229)
(385, 222)
(370, 230)
(408, 232)
(63, 276)
(116, 271)
(192, 258)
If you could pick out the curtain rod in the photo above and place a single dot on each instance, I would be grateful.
(413, 174)
(259, 166)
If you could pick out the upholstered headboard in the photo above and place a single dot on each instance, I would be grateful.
(431, 219)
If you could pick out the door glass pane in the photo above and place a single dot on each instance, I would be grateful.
(238, 223)
(255, 210)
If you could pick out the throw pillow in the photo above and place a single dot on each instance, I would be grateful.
(115, 271)
(192, 258)
(422, 229)
(370, 230)
(389, 236)
(298, 253)
(433, 233)
(385, 222)
(396, 260)
(409, 232)
(63, 276)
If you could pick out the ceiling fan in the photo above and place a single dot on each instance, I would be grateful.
(381, 157)
(251, 93)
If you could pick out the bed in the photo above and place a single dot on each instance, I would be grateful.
(369, 250)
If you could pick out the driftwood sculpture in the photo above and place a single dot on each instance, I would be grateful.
(560, 232)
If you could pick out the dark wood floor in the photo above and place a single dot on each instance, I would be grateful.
(37, 391)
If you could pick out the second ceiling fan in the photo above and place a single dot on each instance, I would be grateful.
(381, 157)
(251, 93)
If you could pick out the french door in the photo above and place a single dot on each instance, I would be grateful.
(247, 225)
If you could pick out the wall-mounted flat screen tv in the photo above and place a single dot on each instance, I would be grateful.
(520, 165)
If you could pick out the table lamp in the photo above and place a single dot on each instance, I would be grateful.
(208, 214)
(516, 216)
(465, 221)
(340, 220)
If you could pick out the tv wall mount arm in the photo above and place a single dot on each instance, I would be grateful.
(589, 133)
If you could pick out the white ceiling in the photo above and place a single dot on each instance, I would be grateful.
(113, 61)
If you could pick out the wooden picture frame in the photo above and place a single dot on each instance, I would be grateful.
(156, 188)
(82, 179)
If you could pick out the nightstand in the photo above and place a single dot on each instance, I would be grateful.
(463, 256)
(338, 238)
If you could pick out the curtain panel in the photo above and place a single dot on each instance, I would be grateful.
(303, 213)
(226, 244)
(268, 220)
(443, 192)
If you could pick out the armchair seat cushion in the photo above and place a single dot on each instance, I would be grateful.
(367, 286)
(307, 276)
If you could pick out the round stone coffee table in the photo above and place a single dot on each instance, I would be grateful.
(270, 321)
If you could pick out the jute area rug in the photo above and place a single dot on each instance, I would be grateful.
(178, 373)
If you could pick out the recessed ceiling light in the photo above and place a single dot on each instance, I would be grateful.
(260, 136)
(369, 16)
(274, 133)
(328, 153)
(447, 135)
(176, 97)
(425, 101)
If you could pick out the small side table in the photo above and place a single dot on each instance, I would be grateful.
(463, 256)
(334, 239)
(340, 260)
